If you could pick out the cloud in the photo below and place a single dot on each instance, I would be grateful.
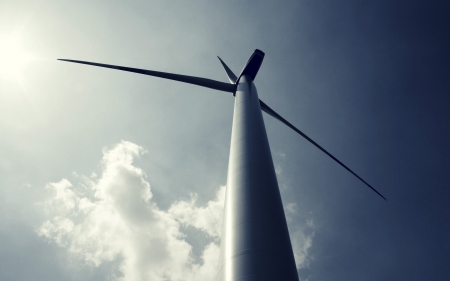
(112, 217)
(302, 238)
(301, 234)
(207, 219)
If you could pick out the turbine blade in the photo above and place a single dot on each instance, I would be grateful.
(253, 64)
(272, 113)
(230, 73)
(204, 82)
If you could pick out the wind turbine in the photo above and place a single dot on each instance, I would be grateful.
(255, 241)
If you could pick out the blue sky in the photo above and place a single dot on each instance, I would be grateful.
(367, 81)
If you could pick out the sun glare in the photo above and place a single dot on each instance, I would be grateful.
(13, 57)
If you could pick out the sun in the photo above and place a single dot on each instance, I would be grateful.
(13, 57)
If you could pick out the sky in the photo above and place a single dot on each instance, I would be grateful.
(108, 175)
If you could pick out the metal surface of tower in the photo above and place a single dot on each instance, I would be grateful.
(255, 239)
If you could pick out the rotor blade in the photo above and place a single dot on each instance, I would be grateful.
(272, 113)
(253, 64)
(231, 76)
(204, 82)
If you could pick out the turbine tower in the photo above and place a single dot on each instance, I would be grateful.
(255, 242)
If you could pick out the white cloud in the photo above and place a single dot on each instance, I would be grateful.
(117, 220)
(207, 219)
(111, 217)
(63, 195)
(301, 243)
(301, 235)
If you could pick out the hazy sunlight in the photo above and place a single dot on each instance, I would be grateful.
(13, 57)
